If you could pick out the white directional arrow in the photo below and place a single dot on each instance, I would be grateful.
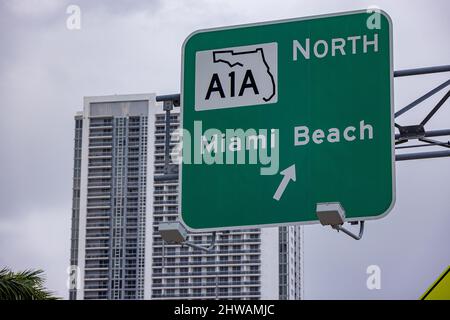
(289, 174)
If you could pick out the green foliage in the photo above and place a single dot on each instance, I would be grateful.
(24, 285)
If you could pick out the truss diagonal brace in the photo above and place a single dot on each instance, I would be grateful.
(436, 108)
(422, 98)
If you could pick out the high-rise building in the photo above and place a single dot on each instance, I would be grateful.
(110, 197)
(119, 198)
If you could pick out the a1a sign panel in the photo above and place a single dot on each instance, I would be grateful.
(281, 116)
(236, 77)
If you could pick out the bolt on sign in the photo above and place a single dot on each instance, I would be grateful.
(280, 116)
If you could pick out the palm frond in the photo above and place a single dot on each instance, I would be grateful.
(23, 285)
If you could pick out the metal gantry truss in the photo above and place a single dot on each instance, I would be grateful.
(410, 133)
(418, 132)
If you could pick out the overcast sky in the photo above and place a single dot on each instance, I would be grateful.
(135, 47)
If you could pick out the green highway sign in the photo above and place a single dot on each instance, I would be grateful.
(278, 117)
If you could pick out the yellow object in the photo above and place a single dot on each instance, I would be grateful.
(440, 289)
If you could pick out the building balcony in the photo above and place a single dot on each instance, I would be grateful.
(100, 127)
(165, 211)
(98, 203)
(163, 121)
(93, 288)
(206, 284)
(136, 143)
(99, 172)
(200, 253)
(166, 191)
(96, 276)
(100, 155)
(98, 215)
(108, 206)
(96, 253)
(134, 163)
(100, 145)
(224, 241)
(98, 225)
(100, 166)
(210, 274)
(132, 203)
(92, 234)
(161, 144)
(239, 294)
(133, 153)
(100, 130)
(165, 202)
(206, 295)
(100, 135)
(96, 237)
(100, 175)
(99, 195)
(95, 184)
(96, 267)
(206, 263)
(97, 244)
(98, 124)
(91, 258)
